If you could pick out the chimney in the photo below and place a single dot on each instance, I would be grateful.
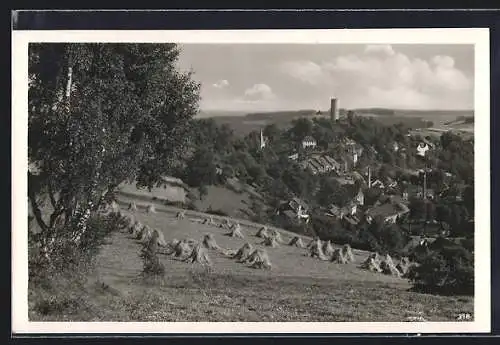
(424, 196)
(369, 178)
(334, 111)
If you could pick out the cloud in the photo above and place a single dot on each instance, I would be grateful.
(221, 84)
(382, 76)
(379, 48)
(306, 71)
(259, 92)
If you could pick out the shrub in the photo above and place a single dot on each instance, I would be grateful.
(152, 266)
(65, 255)
(60, 304)
(217, 212)
(446, 268)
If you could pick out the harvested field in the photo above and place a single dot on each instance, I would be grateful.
(297, 288)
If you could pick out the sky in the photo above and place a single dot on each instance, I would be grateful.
(270, 77)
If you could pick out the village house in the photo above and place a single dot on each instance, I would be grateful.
(360, 197)
(390, 182)
(414, 191)
(340, 212)
(348, 213)
(309, 142)
(358, 177)
(395, 146)
(336, 165)
(429, 194)
(422, 149)
(389, 211)
(320, 164)
(345, 180)
(377, 184)
(405, 195)
(295, 209)
(456, 193)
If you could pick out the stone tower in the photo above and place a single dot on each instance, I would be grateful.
(334, 110)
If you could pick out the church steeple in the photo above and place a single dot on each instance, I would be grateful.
(262, 141)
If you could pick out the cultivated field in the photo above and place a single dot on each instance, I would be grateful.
(297, 288)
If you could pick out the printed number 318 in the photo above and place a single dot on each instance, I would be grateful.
(464, 317)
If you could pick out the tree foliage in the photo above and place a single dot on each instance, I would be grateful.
(100, 114)
(446, 267)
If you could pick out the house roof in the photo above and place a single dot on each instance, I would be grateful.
(299, 202)
(389, 198)
(349, 141)
(357, 176)
(387, 209)
(345, 180)
(352, 219)
(309, 139)
(331, 160)
(337, 211)
(290, 214)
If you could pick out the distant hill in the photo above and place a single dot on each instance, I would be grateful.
(243, 122)
(284, 113)
(376, 111)
(220, 113)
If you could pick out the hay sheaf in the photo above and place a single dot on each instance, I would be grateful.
(235, 232)
(316, 250)
(276, 235)
(376, 257)
(404, 266)
(135, 229)
(328, 248)
(270, 242)
(198, 255)
(297, 242)
(146, 234)
(262, 233)
(181, 215)
(184, 248)
(388, 260)
(210, 243)
(339, 257)
(132, 206)
(387, 266)
(347, 252)
(243, 253)
(140, 233)
(313, 242)
(160, 238)
(208, 221)
(128, 222)
(259, 259)
(151, 208)
(371, 265)
(226, 224)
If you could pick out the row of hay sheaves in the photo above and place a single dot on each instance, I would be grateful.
(194, 251)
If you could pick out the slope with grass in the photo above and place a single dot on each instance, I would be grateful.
(296, 288)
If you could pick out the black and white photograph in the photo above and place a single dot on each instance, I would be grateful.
(297, 182)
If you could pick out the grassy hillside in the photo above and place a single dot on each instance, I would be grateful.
(297, 288)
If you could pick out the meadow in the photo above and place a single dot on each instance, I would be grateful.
(296, 288)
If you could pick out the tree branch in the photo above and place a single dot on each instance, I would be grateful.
(51, 196)
(34, 205)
